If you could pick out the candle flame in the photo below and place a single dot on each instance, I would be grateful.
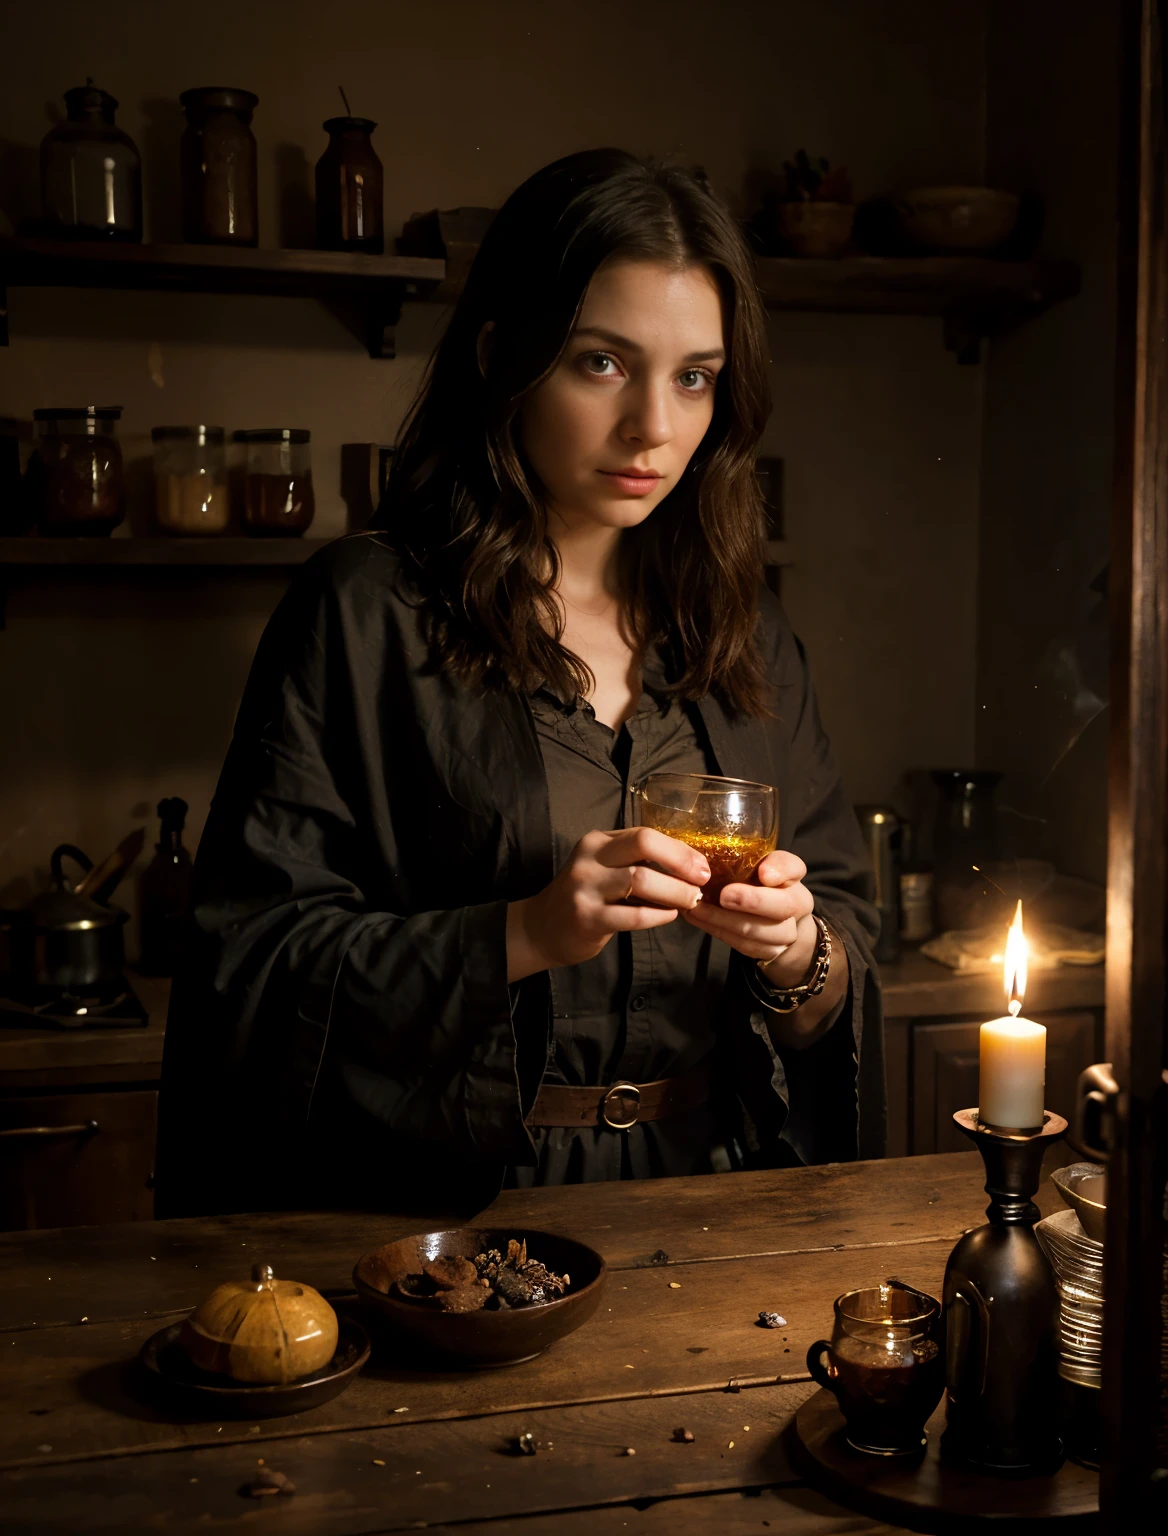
(1017, 951)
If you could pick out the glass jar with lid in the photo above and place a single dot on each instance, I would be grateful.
(91, 172)
(278, 497)
(78, 470)
(348, 189)
(190, 480)
(218, 154)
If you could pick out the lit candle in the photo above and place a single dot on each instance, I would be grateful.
(1012, 1089)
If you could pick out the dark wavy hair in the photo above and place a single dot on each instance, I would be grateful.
(466, 513)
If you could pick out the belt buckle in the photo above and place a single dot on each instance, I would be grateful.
(628, 1091)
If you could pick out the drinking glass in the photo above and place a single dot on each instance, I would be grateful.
(884, 1365)
(733, 822)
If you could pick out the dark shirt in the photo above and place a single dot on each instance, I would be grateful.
(643, 1008)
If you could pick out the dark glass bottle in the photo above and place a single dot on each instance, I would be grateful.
(163, 893)
(91, 172)
(348, 189)
(218, 152)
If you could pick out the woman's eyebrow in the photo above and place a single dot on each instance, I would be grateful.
(615, 339)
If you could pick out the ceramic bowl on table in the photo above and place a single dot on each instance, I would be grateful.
(484, 1338)
(965, 220)
(205, 1394)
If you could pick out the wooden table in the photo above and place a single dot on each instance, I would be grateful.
(675, 1343)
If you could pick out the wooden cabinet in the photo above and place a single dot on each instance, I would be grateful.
(78, 1116)
(77, 1158)
(932, 1020)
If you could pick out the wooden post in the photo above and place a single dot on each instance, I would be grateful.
(1138, 793)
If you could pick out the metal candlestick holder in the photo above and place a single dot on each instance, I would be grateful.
(1001, 1310)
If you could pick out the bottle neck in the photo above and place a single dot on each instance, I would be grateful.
(170, 838)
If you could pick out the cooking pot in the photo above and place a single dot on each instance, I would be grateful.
(65, 942)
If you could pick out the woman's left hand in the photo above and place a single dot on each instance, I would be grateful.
(764, 921)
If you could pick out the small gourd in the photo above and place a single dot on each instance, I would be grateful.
(266, 1331)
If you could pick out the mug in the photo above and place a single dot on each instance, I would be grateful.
(734, 823)
(885, 1365)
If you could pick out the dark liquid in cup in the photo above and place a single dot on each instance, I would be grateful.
(886, 1405)
(730, 858)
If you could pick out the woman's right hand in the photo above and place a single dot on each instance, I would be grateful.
(600, 891)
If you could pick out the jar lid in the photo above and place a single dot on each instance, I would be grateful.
(348, 125)
(79, 413)
(273, 435)
(199, 435)
(89, 100)
(229, 97)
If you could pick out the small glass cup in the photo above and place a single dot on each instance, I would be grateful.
(733, 822)
(885, 1366)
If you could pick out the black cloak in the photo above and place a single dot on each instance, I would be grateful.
(341, 1032)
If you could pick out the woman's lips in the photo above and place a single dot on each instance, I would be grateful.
(631, 482)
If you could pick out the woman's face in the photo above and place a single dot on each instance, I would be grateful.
(610, 431)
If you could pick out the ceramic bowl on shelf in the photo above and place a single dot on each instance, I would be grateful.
(482, 1338)
(965, 220)
(813, 229)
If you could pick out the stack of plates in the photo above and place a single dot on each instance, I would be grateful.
(1078, 1270)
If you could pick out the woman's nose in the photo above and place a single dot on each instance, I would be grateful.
(648, 421)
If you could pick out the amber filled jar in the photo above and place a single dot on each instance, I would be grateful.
(190, 480)
(348, 189)
(278, 495)
(78, 467)
(91, 172)
(219, 197)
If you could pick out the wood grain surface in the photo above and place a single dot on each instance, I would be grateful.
(85, 1446)
(155, 1269)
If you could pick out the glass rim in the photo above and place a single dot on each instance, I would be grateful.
(724, 784)
(272, 435)
(932, 1310)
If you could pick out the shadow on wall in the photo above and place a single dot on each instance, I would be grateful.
(162, 124)
(20, 183)
(297, 202)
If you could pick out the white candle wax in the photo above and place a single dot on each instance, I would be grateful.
(1012, 1089)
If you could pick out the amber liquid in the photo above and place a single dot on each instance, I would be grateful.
(730, 858)
(279, 504)
(886, 1406)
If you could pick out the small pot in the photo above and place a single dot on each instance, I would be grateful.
(62, 942)
(814, 229)
(969, 220)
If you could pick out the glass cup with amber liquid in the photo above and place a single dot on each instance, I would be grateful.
(733, 822)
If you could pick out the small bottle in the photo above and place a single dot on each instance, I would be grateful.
(163, 893)
(348, 189)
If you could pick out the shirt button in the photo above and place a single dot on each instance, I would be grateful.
(638, 1002)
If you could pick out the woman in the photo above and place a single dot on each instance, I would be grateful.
(427, 940)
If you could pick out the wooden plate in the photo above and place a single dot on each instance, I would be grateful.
(218, 1397)
(929, 1494)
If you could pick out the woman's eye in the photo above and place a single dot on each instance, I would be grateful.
(695, 380)
(600, 364)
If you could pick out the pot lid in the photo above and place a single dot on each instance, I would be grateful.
(90, 100)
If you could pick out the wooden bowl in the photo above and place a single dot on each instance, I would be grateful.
(967, 219)
(479, 1339)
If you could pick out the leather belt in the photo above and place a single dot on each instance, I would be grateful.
(620, 1105)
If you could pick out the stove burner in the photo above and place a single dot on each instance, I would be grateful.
(68, 1003)
(68, 1010)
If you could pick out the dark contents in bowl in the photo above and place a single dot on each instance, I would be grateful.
(491, 1282)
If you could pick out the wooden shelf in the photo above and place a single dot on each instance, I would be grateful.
(37, 553)
(374, 285)
(974, 295)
